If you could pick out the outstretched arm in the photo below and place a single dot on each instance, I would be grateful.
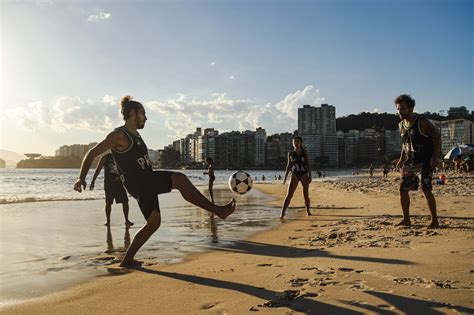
(288, 168)
(97, 171)
(115, 138)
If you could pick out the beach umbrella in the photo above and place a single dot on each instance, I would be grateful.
(458, 150)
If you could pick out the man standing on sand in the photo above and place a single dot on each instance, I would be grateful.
(131, 155)
(421, 145)
(113, 187)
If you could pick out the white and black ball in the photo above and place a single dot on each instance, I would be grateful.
(240, 182)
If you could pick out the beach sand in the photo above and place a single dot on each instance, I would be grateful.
(347, 258)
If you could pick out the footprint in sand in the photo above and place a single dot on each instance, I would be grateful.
(208, 306)
(298, 282)
(264, 265)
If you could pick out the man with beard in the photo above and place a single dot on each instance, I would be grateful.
(131, 155)
(421, 145)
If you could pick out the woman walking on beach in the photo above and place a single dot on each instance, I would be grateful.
(212, 178)
(300, 167)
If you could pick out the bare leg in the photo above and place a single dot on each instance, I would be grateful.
(305, 183)
(405, 203)
(211, 183)
(152, 224)
(125, 214)
(191, 194)
(291, 190)
(108, 210)
(432, 205)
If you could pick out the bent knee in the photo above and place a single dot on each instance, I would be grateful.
(154, 220)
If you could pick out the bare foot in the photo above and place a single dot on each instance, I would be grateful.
(131, 263)
(228, 210)
(282, 215)
(434, 225)
(404, 223)
(128, 223)
(308, 213)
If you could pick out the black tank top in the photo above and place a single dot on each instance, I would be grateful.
(134, 164)
(418, 148)
(111, 172)
(298, 162)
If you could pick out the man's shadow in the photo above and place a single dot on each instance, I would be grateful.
(263, 249)
(407, 305)
(299, 304)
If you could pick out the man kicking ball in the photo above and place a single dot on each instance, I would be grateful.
(144, 184)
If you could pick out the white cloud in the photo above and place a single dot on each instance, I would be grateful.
(376, 110)
(212, 64)
(69, 113)
(308, 96)
(183, 114)
(179, 116)
(232, 77)
(99, 16)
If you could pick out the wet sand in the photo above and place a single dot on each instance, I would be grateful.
(349, 258)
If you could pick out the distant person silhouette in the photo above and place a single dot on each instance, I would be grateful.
(112, 186)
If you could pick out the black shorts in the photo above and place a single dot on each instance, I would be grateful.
(411, 181)
(115, 190)
(158, 183)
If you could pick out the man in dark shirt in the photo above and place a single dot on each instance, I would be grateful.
(113, 187)
(421, 146)
(144, 184)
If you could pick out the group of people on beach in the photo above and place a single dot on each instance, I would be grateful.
(129, 169)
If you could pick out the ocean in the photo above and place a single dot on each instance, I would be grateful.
(53, 237)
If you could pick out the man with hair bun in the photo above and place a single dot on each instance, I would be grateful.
(131, 155)
(421, 146)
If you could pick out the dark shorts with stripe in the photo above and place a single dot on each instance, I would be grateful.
(411, 180)
(158, 183)
(114, 191)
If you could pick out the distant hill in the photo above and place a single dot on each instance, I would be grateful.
(11, 158)
(387, 121)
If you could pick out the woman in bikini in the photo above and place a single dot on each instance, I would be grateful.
(300, 167)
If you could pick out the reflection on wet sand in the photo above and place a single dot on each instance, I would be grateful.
(110, 244)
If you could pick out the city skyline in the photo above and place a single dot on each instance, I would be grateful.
(229, 65)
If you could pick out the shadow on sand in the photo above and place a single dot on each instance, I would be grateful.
(256, 248)
(407, 305)
(299, 304)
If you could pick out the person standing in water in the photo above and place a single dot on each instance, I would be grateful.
(212, 178)
(300, 167)
(131, 155)
(113, 187)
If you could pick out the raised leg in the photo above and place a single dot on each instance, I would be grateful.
(191, 194)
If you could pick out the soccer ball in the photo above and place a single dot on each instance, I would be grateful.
(240, 182)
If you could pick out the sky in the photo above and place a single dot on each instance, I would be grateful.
(229, 65)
